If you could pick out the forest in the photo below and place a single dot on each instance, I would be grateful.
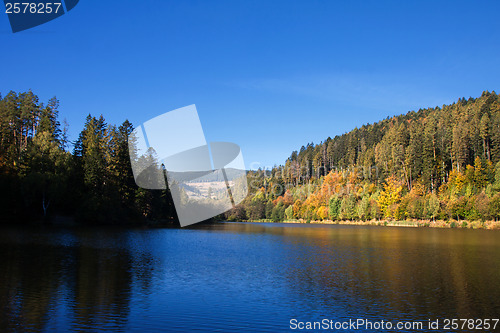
(42, 178)
(440, 163)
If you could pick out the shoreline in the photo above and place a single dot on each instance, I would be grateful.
(451, 224)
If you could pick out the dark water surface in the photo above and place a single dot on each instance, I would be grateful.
(242, 277)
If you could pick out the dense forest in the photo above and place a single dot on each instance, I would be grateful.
(41, 179)
(436, 163)
(440, 163)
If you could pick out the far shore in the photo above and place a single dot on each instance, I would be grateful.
(462, 224)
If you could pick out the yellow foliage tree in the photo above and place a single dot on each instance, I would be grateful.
(457, 179)
(390, 195)
(297, 207)
(322, 213)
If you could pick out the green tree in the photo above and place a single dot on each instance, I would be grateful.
(348, 208)
(433, 206)
(278, 212)
(269, 209)
(363, 209)
(334, 207)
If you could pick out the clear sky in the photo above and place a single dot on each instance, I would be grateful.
(268, 75)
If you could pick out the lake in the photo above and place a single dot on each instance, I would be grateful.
(253, 277)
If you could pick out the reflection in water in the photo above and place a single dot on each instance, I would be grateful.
(74, 277)
(407, 273)
(251, 277)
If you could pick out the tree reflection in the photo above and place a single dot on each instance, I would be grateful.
(88, 279)
(421, 273)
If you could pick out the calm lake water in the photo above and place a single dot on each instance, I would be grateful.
(232, 277)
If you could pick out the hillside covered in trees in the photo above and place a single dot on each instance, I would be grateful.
(40, 178)
(435, 163)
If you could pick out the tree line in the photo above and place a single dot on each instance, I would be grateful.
(40, 178)
(434, 163)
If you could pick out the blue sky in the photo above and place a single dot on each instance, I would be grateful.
(268, 75)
